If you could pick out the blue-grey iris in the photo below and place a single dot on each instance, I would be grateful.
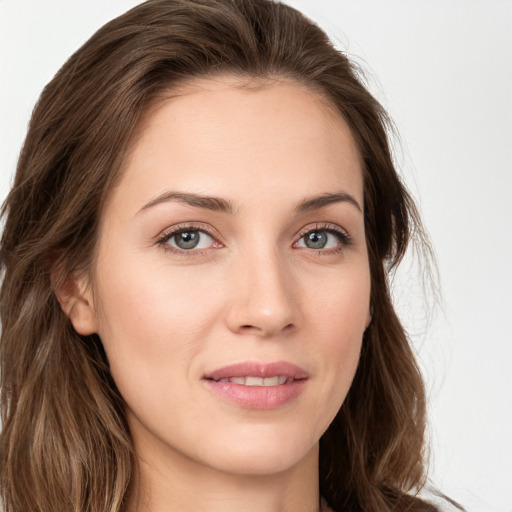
(187, 239)
(316, 240)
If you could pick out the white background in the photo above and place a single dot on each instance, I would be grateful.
(443, 69)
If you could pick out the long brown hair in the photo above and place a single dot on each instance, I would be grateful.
(65, 444)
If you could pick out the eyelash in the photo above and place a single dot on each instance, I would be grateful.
(345, 239)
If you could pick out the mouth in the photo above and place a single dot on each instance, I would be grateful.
(254, 373)
(254, 385)
(277, 380)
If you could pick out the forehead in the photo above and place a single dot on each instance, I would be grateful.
(215, 136)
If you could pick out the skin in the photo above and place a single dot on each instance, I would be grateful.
(253, 291)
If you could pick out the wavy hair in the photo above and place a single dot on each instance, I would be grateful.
(65, 444)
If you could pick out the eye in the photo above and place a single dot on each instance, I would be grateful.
(323, 239)
(187, 239)
(191, 239)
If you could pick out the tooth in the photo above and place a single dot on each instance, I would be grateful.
(253, 381)
(257, 381)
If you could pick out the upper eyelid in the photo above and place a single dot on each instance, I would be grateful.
(191, 226)
(323, 226)
(213, 233)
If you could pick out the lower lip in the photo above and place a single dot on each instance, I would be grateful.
(257, 397)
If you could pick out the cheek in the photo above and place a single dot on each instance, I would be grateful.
(340, 316)
(154, 323)
(151, 315)
(339, 304)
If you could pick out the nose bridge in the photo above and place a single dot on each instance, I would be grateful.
(263, 300)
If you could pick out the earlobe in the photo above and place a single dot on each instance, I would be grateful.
(76, 300)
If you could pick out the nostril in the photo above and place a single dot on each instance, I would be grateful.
(264, 331)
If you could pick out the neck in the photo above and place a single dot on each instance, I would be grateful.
(162, 485)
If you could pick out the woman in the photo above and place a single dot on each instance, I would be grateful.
(195, 310)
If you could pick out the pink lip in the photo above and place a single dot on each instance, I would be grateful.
(256, 369)
(258, 397)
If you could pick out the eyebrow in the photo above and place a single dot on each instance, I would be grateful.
(215, 204)
(218, 204)
(317, 202)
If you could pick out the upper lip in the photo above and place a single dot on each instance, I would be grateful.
(258, 369)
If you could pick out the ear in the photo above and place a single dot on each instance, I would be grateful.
(76, 300)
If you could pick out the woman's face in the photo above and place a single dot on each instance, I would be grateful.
(231, 285)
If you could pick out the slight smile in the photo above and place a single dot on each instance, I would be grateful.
(255, 385)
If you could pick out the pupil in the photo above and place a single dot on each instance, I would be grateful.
(187, 239)
(316, 240)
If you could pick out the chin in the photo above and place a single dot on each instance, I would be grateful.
(262, 453)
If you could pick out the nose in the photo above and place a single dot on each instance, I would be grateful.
(262, 300)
